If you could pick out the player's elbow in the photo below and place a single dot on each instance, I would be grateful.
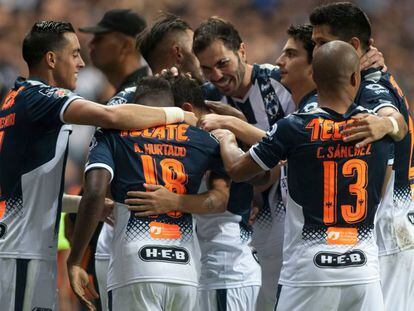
(236, 173)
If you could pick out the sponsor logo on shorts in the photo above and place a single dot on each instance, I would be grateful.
(337, 260)
(3, 229)
(171, 254)
(410, 216)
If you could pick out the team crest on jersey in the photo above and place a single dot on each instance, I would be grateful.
(354, 258)
(171, 254)
(117, 100)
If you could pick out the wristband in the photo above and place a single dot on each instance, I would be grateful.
(395, 128)
(173, 115)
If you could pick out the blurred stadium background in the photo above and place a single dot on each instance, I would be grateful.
(261, 23)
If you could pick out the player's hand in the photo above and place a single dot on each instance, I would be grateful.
(190, 118)
(224, 109)
(224, 135)
(158, 201)
(173, 71)
(373, 59)
(213, 121)
(83, 289)
(107, 212)
(366, 129)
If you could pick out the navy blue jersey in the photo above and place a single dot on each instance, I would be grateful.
(334, 190)
(316, 137)
(308, 102)
(175, 156)
(125, 96)
(33, 145)
(378, 90)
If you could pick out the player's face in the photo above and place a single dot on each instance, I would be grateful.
(105, 50)
(294, 65)
(68, 62)
(223, 67)
(322, 34)
(189, 62)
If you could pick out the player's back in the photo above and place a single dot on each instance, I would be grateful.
(33, 144)
(158, 248)
(334, 191)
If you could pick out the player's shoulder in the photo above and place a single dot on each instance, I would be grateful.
(266, 71)
(39, 89)
(122, 97)
(374, 83)
(210, 92)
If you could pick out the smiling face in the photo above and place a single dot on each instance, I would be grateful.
(223, 67)
(294, 64)
(68, 62)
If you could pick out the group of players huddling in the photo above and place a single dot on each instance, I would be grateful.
(321, 143)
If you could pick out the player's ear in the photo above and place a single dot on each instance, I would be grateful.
(354, 79)
(355, 43)
(50, 58)
(242, 52)
(187, 107)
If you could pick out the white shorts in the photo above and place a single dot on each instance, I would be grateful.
(28, 284)
(271, 266)
(153, 296)
(231, 299)
(101, 270)
(397, 280)
(366, 297)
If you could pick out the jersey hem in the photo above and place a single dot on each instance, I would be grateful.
(27, 256)
(156, 280)
(328, 283)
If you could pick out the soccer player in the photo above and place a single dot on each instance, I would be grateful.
(152, 262)
(116, 32)
(33, 146)
(330, 254)
(347, 22)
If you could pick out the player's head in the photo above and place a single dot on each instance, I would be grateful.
(341, 21)
(114, 38)
(222, 54)
(168, 43)
(336, 69)
(154, 91)
(53, 48)
(296, 59)
(188, 94)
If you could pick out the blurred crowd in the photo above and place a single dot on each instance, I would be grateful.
(261, 23)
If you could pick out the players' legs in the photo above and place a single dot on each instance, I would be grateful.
(231, 299)
(27, 284)
(309, 298)
(271, 267)
(367, 297)
(101, 269)
(153, 296)
(397, 280)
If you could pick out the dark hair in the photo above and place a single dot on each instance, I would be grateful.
(154, 88)
(303, 33)
(216, 29)
(345, 20)
(44, 36)
(186, 89)
(149, 39)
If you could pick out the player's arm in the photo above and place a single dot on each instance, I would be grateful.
(224, 109)
(90, 211)
(369, 128)
(160, 201)
(244, 131)
(70, 203)
(239, 165)
(128, 116)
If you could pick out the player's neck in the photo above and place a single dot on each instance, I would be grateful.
(118, 74)
(302, 89)
(246, 83)
(339, 102)
(44, 76)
